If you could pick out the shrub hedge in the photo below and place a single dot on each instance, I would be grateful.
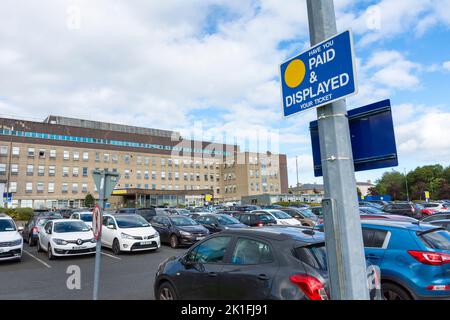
(18, 214)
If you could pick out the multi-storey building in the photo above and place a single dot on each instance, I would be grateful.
(50, 164)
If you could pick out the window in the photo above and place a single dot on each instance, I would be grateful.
(163, 162)
(97, 157)
(85, 156)
(185, 176)
(314, 255)
(127, 173)
(66, 155)
(76, 156)
(106, 157)
(169, 176)
(153, 186)
(40, 187)
(75, 171)
(153, 175)
(42, 153)
(374, 238)
(210, 251)
(31, 152)
(3, 150)
(84, 188)
(13, 186)
(15, 151)
(127, 158)
(85, 171)
(51, 171)
(249, 251)
(74, 187)
(30, 169)
(52, 154)
(115, 158)
(65, 172)
(29, 187)
(146, 161)
(177, 176)
(41, 170)
(439, 239)
(51, 187)
(64, 188)
(163, 175)
(146, 176)
(14, 169)
(2, 169)
(138, 174)
(138, 186)
(139, 160)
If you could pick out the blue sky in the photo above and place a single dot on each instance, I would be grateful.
(209, 68)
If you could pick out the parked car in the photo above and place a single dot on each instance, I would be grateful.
(281, 217)
(441, 223)
(259, 219)
(65, 212)
(299, 205)
(282, 263)
(404, 209)
(382, 203)
(85, 216)
(317, 211)
(178, 230)
(437, 206)
(437, 216)
(272, 206)
(219, 222)
(305, 216)
(11, 243)
(370, 210)
(425, 211)
(66, 237)
(179, 211)
(247, 208)
(414, 258)
(127, 232)
(30, 231)
(370, 204)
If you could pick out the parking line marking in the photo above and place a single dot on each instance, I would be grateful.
(111, 256)
(37, 259)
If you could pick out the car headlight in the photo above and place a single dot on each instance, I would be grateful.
(60, 242)
(184, 233)
(126, 236)
(93, 240)
(17, 242)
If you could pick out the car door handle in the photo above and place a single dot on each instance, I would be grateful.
(373, 256)
(212, 274)
(263, 277)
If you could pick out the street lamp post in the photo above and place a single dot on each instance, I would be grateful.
(406, 183)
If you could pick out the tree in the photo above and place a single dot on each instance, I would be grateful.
(392, 183)
(89, 200)
(358, 191)
(372, 191)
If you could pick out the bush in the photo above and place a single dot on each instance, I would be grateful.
(19, 214)
(89, 201)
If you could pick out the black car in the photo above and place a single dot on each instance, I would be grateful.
(403, 209)
(219, 222)
(146, 213)
(255, 219)
(65, 213)
(30, 230)
(178, 230)
(285, 263)
(436, 216)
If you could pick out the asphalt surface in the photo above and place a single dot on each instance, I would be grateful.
(127, 276)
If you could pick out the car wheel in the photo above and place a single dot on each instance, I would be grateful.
(394, 292)
(50, 253)
(174, 241)
(166, 292)
(39, 249)
(116, 247)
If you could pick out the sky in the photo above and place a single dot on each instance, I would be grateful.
(210, 69)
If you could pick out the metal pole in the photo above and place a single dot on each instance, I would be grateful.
(98, 248)
(296, 167)
(344, 244)
(406, 183)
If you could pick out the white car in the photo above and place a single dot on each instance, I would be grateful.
(281, 217)
(128, 232)
(85, 216)
(11, 243)
(66, 237)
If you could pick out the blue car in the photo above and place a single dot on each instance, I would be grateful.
(414, 258)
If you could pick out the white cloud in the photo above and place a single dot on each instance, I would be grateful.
(446, 65)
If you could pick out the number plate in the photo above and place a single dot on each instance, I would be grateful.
(145, 243)
(79, 248)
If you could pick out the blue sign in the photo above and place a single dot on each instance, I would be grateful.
(319, 76)
(372, 137)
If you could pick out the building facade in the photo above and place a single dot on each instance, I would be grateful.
(50, 163)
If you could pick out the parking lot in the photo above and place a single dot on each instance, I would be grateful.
(127, 276)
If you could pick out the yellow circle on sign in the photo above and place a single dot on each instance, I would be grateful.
(295, 73)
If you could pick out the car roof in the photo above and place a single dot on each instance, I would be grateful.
(4, 216)
(399, 224)
(65, 220)
(281, 233)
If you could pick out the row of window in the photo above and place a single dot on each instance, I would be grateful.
(48, 136)
(40, 187)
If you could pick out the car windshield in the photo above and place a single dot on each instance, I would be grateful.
(7, 225)
(183, 221)
(439, 239)
(224, 220)
(87, 217)
(280, 214)
(41, 222)
(131, 221)
(70, 226)
(184, 211)
(265, 217)
(308, 213)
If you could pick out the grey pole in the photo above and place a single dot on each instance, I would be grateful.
(101, 193)
(406, 184)
(296, 168)
(344, 244)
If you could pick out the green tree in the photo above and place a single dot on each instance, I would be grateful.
(392, 183)
(89, 200)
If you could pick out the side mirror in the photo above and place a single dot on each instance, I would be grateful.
(20, 229)
(110, 226)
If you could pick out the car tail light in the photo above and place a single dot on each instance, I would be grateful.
(312, 287)
(35, 230)
(260, 224)
(439, 287)
(431, 258)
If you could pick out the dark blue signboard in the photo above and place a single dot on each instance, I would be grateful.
(372, 136)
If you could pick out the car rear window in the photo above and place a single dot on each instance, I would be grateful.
(314, 255)
(266, 217)
(439, 239)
